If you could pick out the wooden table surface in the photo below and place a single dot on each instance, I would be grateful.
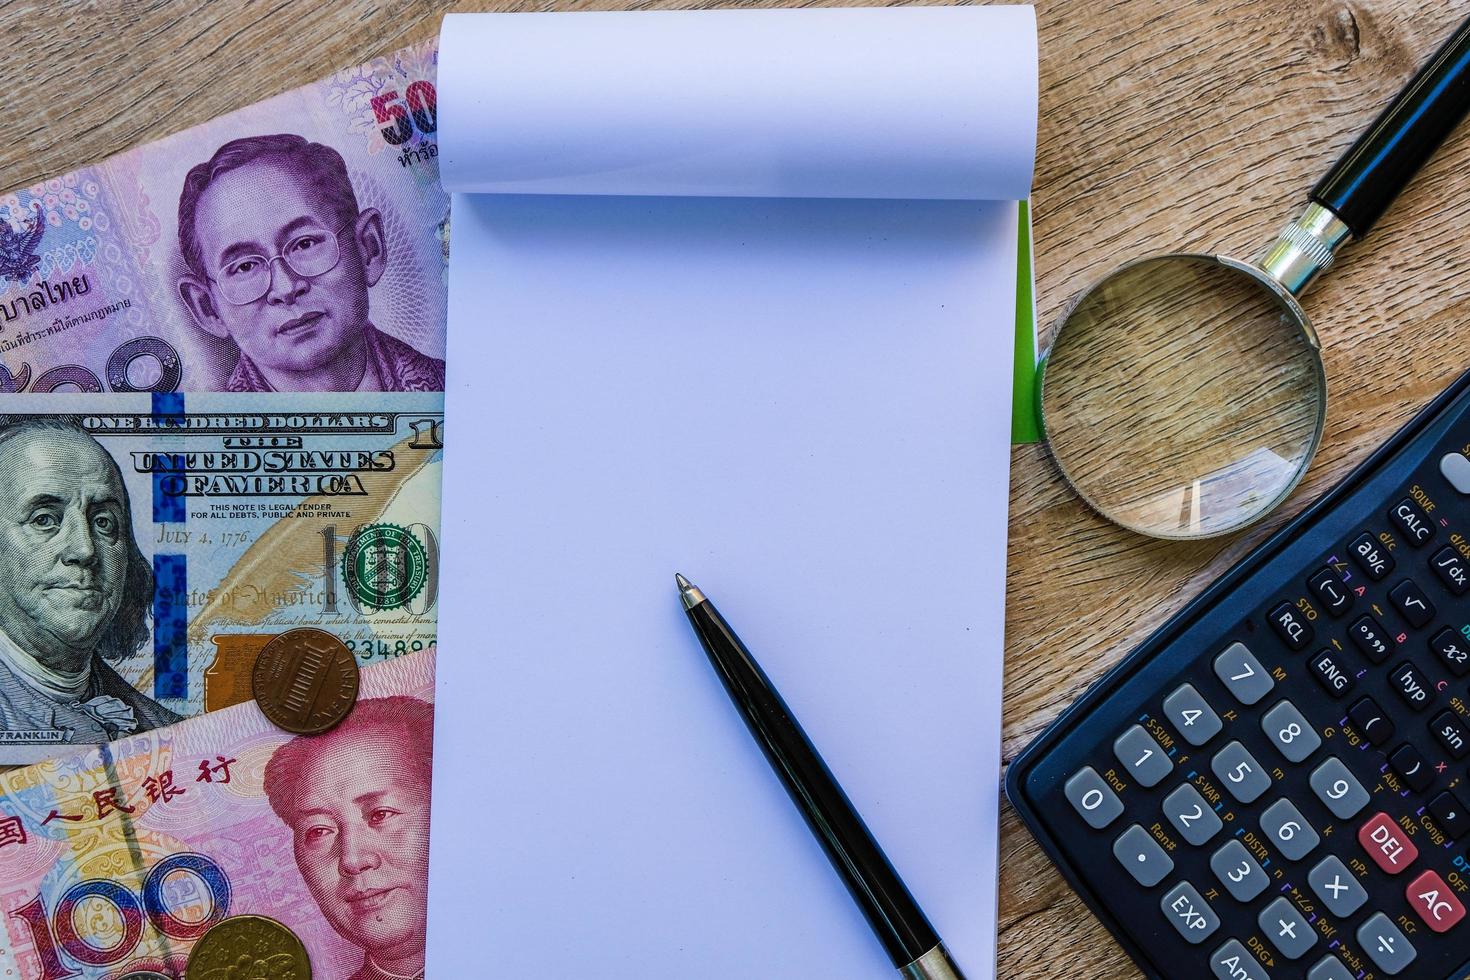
(1164, 125)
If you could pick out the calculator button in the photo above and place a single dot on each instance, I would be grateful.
(1142, 856)
(1410, 764)
(1337, 887)
(1434, 902)
(1371, 557)
(1410, 518)
(1092, 798)
(1410, 685)
(1240, 772)
(1371, 639)
(1335, 679)
(1192, 715)
(1449, 815)
(1243, 674)
(1142, 756)
(1188, 913)
(1330, 968)
(1370, 721)
(1191, 815)
(1284, 826)
(1238, 871)
(1338, 789)
(1452, 570)
(1288, 930)
(1388, 947)
(1290, 732)
(1453, 650)
(1451, 734)
(1291, 626)
(1387, 844)
(1456, 468)
(1413, 603)
(1233, 961)
(1331, 591)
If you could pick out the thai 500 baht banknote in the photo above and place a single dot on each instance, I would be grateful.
(299, 244)
(150, 545)
(113, 862)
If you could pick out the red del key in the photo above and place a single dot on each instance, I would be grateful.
(1434, 901)
(1387, 844)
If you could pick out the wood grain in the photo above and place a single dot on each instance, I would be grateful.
(1163, 125)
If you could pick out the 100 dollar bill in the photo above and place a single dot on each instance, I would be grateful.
(150, 545)
(114, 862)
(195, 263)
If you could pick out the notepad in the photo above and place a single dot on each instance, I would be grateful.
(731, 293)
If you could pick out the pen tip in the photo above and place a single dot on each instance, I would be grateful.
(689, 593)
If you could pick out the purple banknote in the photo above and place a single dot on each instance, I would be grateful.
(299, 244)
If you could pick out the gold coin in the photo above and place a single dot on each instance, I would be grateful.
(248, 946)
(305, 681)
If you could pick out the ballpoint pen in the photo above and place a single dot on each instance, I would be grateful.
(896, 919)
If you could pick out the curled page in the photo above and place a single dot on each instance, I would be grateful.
(911, 102)
(741, 305)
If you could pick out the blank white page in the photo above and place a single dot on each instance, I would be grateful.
(724, 300)
(802, 405)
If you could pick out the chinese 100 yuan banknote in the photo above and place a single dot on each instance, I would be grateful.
(115, 861)
(151, 544)
(299, 244)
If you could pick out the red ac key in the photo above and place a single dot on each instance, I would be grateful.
(1434, 901)
(1387, 844)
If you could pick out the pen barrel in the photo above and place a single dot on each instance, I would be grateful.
(895, 917)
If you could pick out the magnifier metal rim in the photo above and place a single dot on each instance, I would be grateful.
(1291, 307)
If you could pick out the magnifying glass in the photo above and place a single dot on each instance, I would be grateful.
(1183, 396)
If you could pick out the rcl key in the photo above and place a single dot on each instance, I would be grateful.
(1387, 844)
(1290, 626)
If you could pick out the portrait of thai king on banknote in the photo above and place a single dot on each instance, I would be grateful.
(281, 258)
(299, 244)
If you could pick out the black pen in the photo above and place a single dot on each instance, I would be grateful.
(896, 919)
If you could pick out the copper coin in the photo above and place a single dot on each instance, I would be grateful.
(305, 681)
(248, 946)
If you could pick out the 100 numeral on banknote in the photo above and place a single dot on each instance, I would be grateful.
(150, 545)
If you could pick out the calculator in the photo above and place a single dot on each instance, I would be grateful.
(1276, 784)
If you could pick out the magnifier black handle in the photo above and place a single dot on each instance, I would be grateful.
(1370, 175)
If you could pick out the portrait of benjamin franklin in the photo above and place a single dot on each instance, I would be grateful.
(357, 802)
(280, 261)
(75, 592)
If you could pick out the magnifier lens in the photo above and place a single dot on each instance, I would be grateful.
(1182, 397)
